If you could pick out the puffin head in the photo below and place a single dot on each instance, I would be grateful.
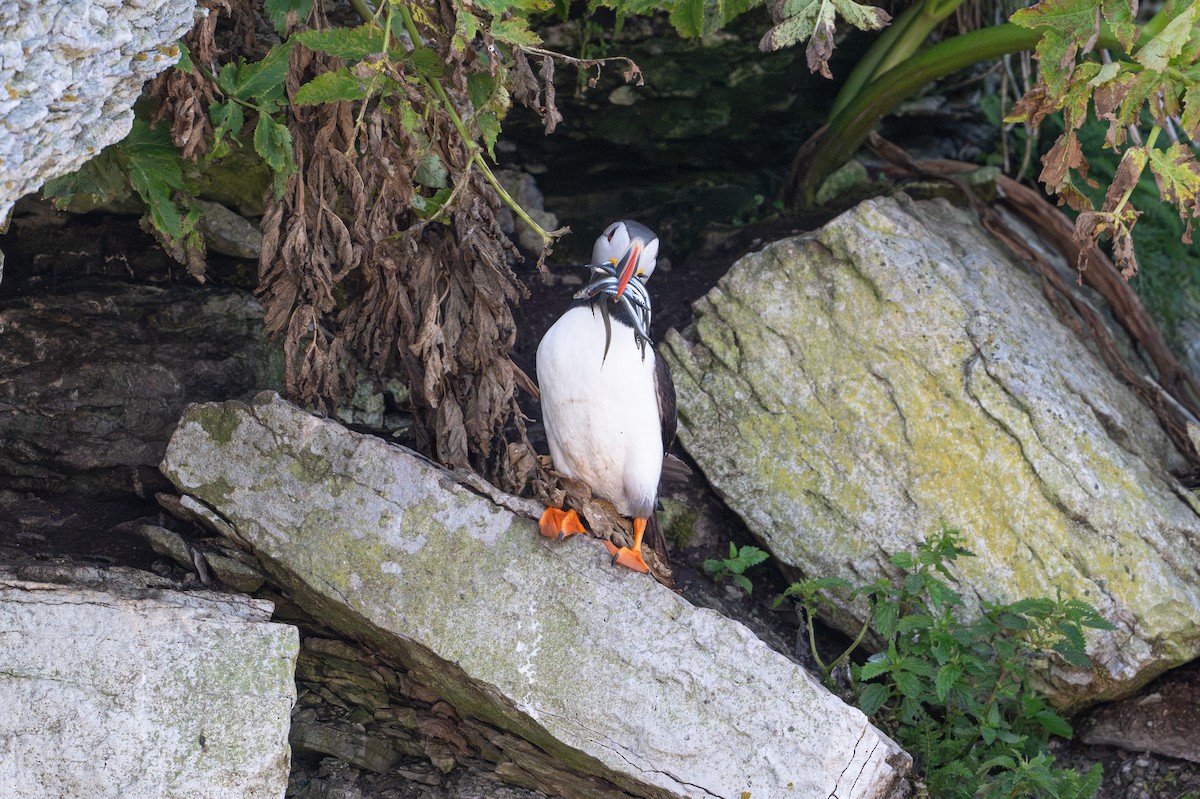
(631, 247)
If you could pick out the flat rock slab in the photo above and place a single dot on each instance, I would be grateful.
(610, 673)
(132, 693)
(850, 391)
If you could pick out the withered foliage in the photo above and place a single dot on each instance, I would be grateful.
(354, 279)
(183, 96)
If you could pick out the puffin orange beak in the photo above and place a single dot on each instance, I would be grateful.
(628, 265)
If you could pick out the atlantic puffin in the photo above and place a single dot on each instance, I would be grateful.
(608, 403)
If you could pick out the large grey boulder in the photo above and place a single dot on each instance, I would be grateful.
(847, 392)
(607, 672)
(69, 74)
(128, 690)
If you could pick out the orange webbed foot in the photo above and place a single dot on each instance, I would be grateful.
(557, 523)
(629, 558)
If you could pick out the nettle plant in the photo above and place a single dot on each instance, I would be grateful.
(956, 689)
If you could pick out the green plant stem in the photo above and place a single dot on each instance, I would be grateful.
(812, 643)
(1150, 140)
(895, 45)
(476, 152)
(858, 639)
(849, 128)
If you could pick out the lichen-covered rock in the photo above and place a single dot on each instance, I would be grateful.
(70, 71)
(850, 391)
(138, 692)
(605, 670)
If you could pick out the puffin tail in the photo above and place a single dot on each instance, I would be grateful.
(654, 538)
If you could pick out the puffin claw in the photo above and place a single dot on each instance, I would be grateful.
(629, 558)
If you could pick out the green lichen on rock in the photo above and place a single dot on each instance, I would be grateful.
(850, 391)
(605, 671)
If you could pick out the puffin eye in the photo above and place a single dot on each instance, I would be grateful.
(612, 231)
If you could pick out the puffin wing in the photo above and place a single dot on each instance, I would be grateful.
(673, 470)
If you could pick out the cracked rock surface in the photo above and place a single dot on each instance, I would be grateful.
(127, 689)
(849, 391)
(606, 671)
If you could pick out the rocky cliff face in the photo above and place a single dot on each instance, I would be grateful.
(70, 72)
(849, 391)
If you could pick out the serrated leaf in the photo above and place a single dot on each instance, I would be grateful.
(744, 583)
(1079, 19)
(1065, 155)
(1056, 56)
(873, 697)
(155, 170)
(1119, 16)
(514, 30)
(227, 118)
(687, 17)
(1157, 53)
(262, 79)
(862, 16)
(1054, 724)
(907, 683)
(751, 556)
(885, 619)
(273, 143)
(1106, 73)
(331, 87)
(348, 44)
(947, 676)
(277, 11)
(227, 78)
(185, 57)
(98, 182)
(1177, 174)
(873, 668)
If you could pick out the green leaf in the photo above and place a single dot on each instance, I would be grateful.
(873, 697)
(228, 119)
(155, 170)
(1177, 174)
(1119, 16)
(744, 583)
(751, 556)
(185, 57)
(489, 129)
(98, 182)
(227, 78)
(514, 30)
(1079, 19)
(277, 11)
(348, 44)
(264, 79)
(1054, 724)
(873, 668)
(946, 678)
(1157, 53)
(907, 683)
(331, 87)
(687, 17)
(273, 143)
